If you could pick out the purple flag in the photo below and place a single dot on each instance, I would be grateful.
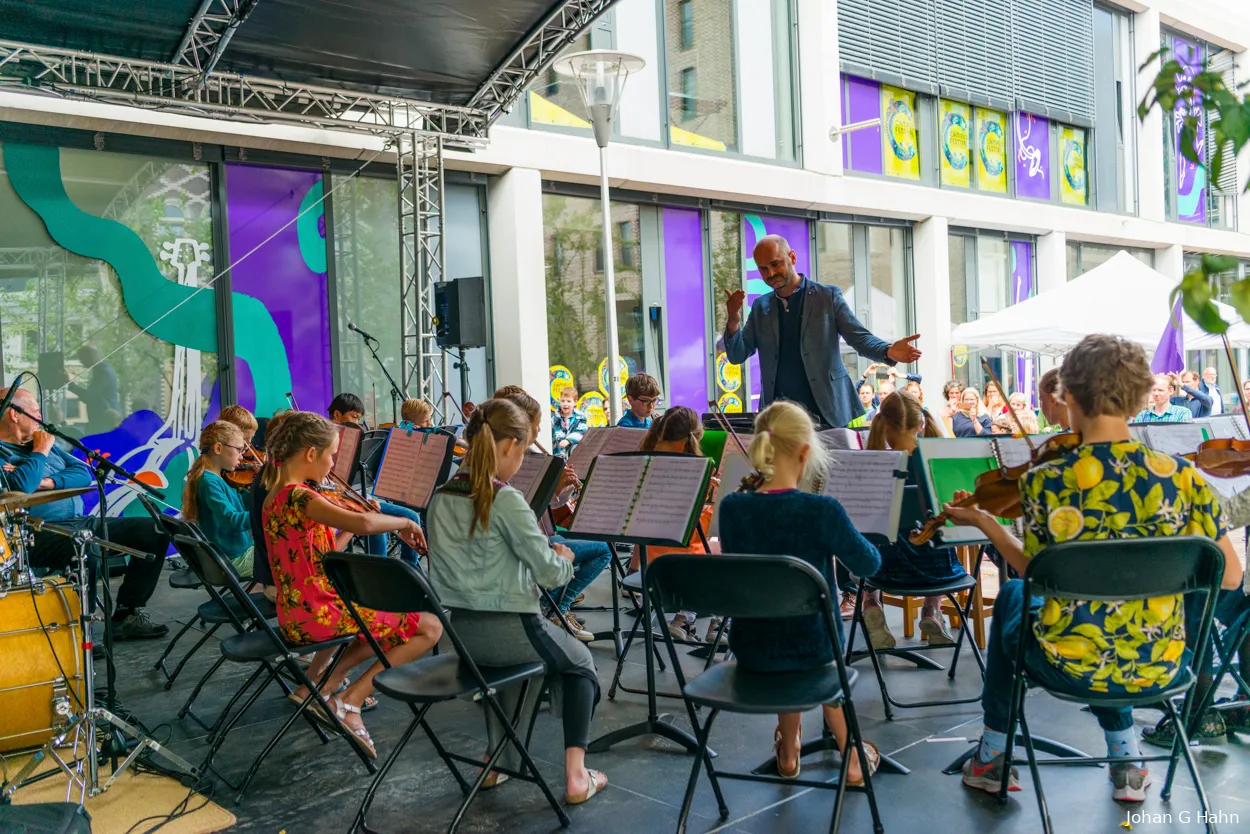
(1169, 356)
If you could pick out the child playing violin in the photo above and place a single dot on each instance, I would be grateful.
(300, 527)
(1110, 486)
(680, 430)
(779, 518)
(899, 421)
(210, 502)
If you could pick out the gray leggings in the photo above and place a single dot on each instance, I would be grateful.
(496, 638)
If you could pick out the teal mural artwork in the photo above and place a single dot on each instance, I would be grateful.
(312, 240)
(35, 172)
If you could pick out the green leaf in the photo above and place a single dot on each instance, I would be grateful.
(1101, 492)
(1239, 297)
(1152, 502)
(1196, 300)
(1186, 140)
(1093, 632)
(1215, 264)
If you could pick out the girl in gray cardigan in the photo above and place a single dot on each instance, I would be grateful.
(487, 555)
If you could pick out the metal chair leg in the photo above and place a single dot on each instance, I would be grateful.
(359, 823)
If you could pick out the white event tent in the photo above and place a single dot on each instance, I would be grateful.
(1123, 297)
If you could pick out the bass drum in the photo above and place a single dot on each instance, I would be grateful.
(41, 677)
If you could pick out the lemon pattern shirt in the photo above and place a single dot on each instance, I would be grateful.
(1116, 490)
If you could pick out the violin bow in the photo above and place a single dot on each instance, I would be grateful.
(290, 398)
(1241, 395)
(1014, 416)
(728, 427)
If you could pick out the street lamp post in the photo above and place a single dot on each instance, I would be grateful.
(601, 76)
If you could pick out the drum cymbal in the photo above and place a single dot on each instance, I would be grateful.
(26, 500)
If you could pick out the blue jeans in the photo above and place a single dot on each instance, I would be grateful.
(1000, 662)
(589, 560)
(376, 544)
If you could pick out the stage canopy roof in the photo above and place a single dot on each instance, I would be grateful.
(478, 54)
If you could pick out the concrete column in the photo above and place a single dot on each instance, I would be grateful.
(1052, 273)
(1170, 260)
(820, 85)
(1151, 181)
(518, 285)
(931, 259)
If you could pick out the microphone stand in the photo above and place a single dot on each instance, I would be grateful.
(101, 469)
(397, 393)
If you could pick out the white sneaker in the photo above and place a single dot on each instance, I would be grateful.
(878, 631)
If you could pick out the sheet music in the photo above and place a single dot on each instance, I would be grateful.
(1138, 433)
(673, 486)
(349, 442)
(1174, 438)
(731, 448)
(1224, 426)
(840, 439)
(410, 466)
(609, 496)
(867, 486)
(587, 450)
(622, 439)
(530, 476)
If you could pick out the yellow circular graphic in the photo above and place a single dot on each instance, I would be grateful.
(959, 356)
(622, 373)
(730, 403)
(1160, 464)
(561, 378)
(591, 404)
(728, 375)
(1088, 472)
(1065, 523)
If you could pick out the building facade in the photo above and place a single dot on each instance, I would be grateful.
(1006, 157)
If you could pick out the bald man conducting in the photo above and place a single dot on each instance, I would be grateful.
(796, 329)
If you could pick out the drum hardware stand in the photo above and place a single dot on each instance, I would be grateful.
(88, 720)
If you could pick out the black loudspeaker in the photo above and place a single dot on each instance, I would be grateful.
(460, 313)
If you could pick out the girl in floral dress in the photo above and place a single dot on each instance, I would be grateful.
(300, 527)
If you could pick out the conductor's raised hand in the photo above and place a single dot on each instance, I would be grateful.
(733, 303)
(903, 350)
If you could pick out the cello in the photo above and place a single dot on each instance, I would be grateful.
(998, 490)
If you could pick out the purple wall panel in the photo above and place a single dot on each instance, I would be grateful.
(686, 308)
(1032, 156)
(861, 100)
(281, 273)
(795, 231)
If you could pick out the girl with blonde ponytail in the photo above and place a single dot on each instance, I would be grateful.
(210, 502)
(898, 423)
(779, 518)
(486, 555)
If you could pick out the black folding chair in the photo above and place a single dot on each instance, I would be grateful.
(1226, 642)
(273, 657)
(1113, 570)
(764, 587)
(395, 586)
(949, 590)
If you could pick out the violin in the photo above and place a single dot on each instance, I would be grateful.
(339, 492)
(562, 515)
(998, 491)
(244, 475)
(1225, 457)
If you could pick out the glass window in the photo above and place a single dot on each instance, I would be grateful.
(991, 149)
(1082, 257)
(572, 231)
(1074, 260)
(142, 394)
(835, 266)
(686, 13)
(366, 264)
(1073, 171)
(993, 275)
(555, 100)
(703, 116)
(727, 260)
(764, 77)
(957, 244)
(636, 30)
(900, 141)
(890, 305)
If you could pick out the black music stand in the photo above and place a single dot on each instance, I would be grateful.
(443, 472)
(653, 724)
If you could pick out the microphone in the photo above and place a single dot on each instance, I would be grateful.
(8, 398)
(353, 327)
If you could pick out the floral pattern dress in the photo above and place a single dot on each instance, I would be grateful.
(1116, 491)
(309, 610)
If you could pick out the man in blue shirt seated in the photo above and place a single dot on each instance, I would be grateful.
(32, 463)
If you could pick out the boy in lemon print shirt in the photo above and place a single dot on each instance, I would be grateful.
(1108, 487)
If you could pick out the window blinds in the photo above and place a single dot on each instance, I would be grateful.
(1032, 55)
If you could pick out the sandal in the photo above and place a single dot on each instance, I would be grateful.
(798, 765)
(593, 788)
(874, 761)
(341, 710)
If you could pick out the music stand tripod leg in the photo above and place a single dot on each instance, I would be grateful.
(652, 724)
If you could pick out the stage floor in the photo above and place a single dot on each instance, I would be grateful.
(307, 787)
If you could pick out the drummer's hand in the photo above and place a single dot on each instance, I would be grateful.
(42, 442)
(8, 467)
(47, 483)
